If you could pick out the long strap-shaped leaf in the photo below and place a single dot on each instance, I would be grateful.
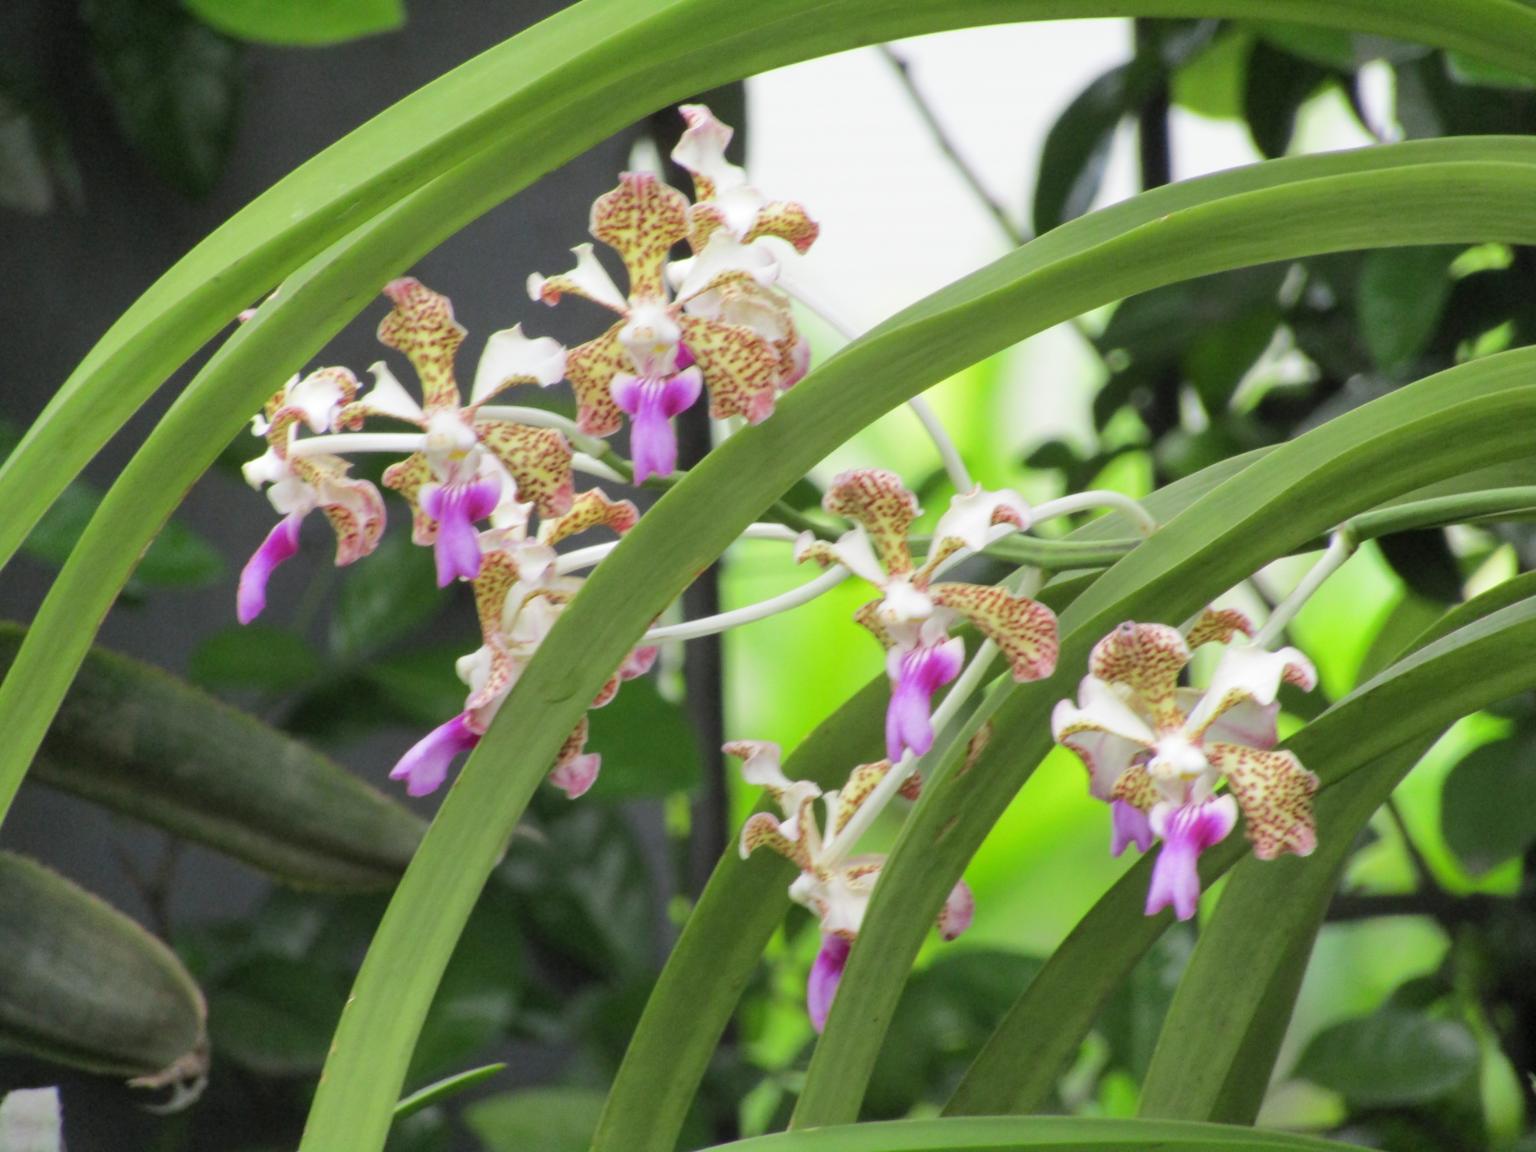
(1222, 1035)
(1403, 195)
(697, 519)
(1298, 490)
(1032, 1133)
(1018, 1068)
(538, 100)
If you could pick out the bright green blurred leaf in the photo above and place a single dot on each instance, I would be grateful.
(1488, 807)
(300, 21)
(174, 85)
(647, 746)
(1211, 84)
(254, 656)
(1466, 69)
(1391, 1058)
(547, 1119)
(1399, 299)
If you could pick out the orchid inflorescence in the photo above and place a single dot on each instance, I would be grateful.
(492, 490)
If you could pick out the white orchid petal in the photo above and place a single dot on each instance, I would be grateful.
(589, 278)
(1249, 673)
(723, 255)
(388, 396)
(970, 515)
(511, 357)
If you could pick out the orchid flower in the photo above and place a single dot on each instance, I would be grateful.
(834, 883)
(1156, 751)
(654, 363)
(466, 461)
(519, 595)
(913, 616)
(300, 484)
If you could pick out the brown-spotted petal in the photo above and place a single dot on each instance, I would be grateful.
(850, 798)
(423, 328)
(575, 770)
(1024, 629)
(1147, 659)
(641, 220)
(354, 507)
(1275, 793)
(590, 368)
(740, 366)
(1104, 732)
(594, 508)
(880, 503)
(538, 459)
(406, 477)
(968, 522)
(1217, 626)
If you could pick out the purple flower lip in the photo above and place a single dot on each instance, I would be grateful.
(916, 674)
(826, 974)
(456, 508)
(651, 402)
(1187, 831)
(1131, 826)
(425, 766)
(281, 544)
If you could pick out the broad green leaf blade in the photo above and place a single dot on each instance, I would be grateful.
(1077, 147)
(1036, 1133)
(137, 740)
(1399, 298)
(1488, 808)
(82, 984)
(309, 22)
(1018, 1069)
(1391, 1059)
(497, 123)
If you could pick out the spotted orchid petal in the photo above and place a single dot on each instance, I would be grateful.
(651, 403)
(590, 368)
(423, 328)
(539, 460)
(317, 399)
(958, 911)
(641, 220)
(740, 366)
(878, 502)
(826, 974)
(1248, 675)
(637, 663)
(1275, 793)
(407, 478)
(916, 674)
(1146, 660)
(592, 509)
(862, 781)
(1130, 825)
(354, 507)
(1217, 626)
(589, 280)
(575, 770)
(281, 544)
(456, 508)
(1104, 732)
(852, 550)
(425, 766)
(1023, 629)
(700, 151)
(1186, 831)
(510, 359)
(968, 522)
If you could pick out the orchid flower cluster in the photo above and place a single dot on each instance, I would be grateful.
(492, 491)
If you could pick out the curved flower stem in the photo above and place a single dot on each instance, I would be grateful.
(544, 418)
(692, 629)
(580, 558)
(340, 443)
(592, 466)
(1146, 524)
(1341, 546)
(954, 466)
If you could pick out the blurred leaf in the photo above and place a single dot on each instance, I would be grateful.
(35, 158)
(275, 1016)
(946, 1013)
(386, 597)
(1466, 69)
(1077, 147)
(1211, 84)
(30, 1121)
(83, 985)
(173, 82)
(1488, 803)
(429, 1130)
(1133, 1020)
(1410, 617)
(254, 656)
(1399, 299)
(547, 1119)
(300, 21)
(137, 740)
(420, 686)
(1391, 1058)
(1218, 357)
(1154, 327)
(1424, 561)
(646, 742)
(1326, 47)
(1277, 85)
